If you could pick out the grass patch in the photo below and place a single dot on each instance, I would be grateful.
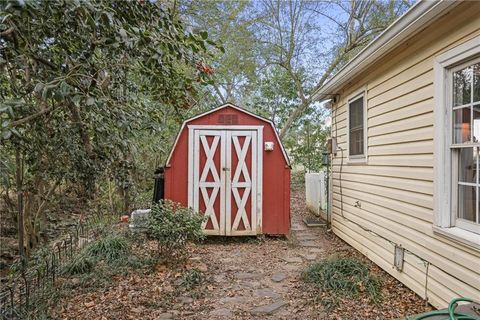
(111, 248)
(344, 276)
(79, 264)
(101, 260)
(191, 279)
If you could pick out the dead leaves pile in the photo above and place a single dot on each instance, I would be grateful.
(131, 297)
(146, 294)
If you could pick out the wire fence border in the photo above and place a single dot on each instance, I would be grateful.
(35, 281)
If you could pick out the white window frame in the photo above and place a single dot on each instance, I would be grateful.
(359, 158)
(444, 216)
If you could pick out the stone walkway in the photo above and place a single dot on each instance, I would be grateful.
(254, 279)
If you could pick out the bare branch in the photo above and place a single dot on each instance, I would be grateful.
(6, 32)
(30, 117)
(341, 26)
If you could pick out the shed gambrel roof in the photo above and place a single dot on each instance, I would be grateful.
(223, 106)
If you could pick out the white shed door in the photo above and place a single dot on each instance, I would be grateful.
(224, 170)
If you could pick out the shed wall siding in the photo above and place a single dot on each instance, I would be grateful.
(395, 187)
(276, 171)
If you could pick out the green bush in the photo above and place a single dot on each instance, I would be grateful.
(343, 276)
(110, 248)
(173, 227)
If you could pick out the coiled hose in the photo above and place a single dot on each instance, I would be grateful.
(449, 313)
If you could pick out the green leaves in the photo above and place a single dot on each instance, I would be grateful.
(90, 101)
(173, 226)
(95, 89)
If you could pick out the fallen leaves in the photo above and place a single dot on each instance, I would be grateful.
(146, 294)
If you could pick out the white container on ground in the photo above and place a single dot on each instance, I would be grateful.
(316, 192)
(139, 219)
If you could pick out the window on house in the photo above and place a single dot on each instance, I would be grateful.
(356, 128)
(465, 144)
(457, 143)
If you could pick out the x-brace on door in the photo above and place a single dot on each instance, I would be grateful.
(225, 179)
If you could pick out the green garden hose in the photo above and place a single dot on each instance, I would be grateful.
(450, 313)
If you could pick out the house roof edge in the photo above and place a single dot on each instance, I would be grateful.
(419, 16)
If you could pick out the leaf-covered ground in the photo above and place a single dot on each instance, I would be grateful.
(239, 279)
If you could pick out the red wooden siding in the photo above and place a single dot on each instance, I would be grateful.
(276, 171)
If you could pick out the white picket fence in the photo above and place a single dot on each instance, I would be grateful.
(316, 192)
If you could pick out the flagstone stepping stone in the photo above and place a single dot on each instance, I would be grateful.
(200, 266)
(309, 257)
(302, 237)
(266, 293)
(168, 315)
(298, 227)
(268, 308)
(279, 277)
(185, 300)
(292, 267)
(250, 284)
(245, 275)
(219, 278)
(233, 268)
(293, 260)
(221, 312)
(233, 300)
(316, 250)
(308, 244)
(194, 259)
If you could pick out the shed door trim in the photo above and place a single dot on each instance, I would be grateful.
(226, 143)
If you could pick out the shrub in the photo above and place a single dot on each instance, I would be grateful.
(173, 226)
(110, 248)
(343, 276)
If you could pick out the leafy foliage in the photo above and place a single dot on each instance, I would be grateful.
(90, 89)
(343, 276)
(276, 99)
(173, 227)
(229, 23)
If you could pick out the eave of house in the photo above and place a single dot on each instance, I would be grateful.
(417, 18)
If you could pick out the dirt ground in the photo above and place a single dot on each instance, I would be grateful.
(243, 279)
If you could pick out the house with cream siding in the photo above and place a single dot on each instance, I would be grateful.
(405, 165)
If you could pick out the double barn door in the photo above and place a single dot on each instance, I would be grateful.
(225, 179)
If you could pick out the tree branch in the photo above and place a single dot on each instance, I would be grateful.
(45, 62)
(30, 117)
(7, 32)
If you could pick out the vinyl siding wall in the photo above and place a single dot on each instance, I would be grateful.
(395, 186)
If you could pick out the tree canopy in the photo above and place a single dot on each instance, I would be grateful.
(81, 83)
(92, 92)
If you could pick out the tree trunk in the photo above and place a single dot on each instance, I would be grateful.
(19, 182)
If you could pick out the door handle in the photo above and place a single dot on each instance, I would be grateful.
(226, 169)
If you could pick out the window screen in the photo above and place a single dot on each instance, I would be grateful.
(356, 143)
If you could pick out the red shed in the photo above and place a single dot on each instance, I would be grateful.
(229, 164)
